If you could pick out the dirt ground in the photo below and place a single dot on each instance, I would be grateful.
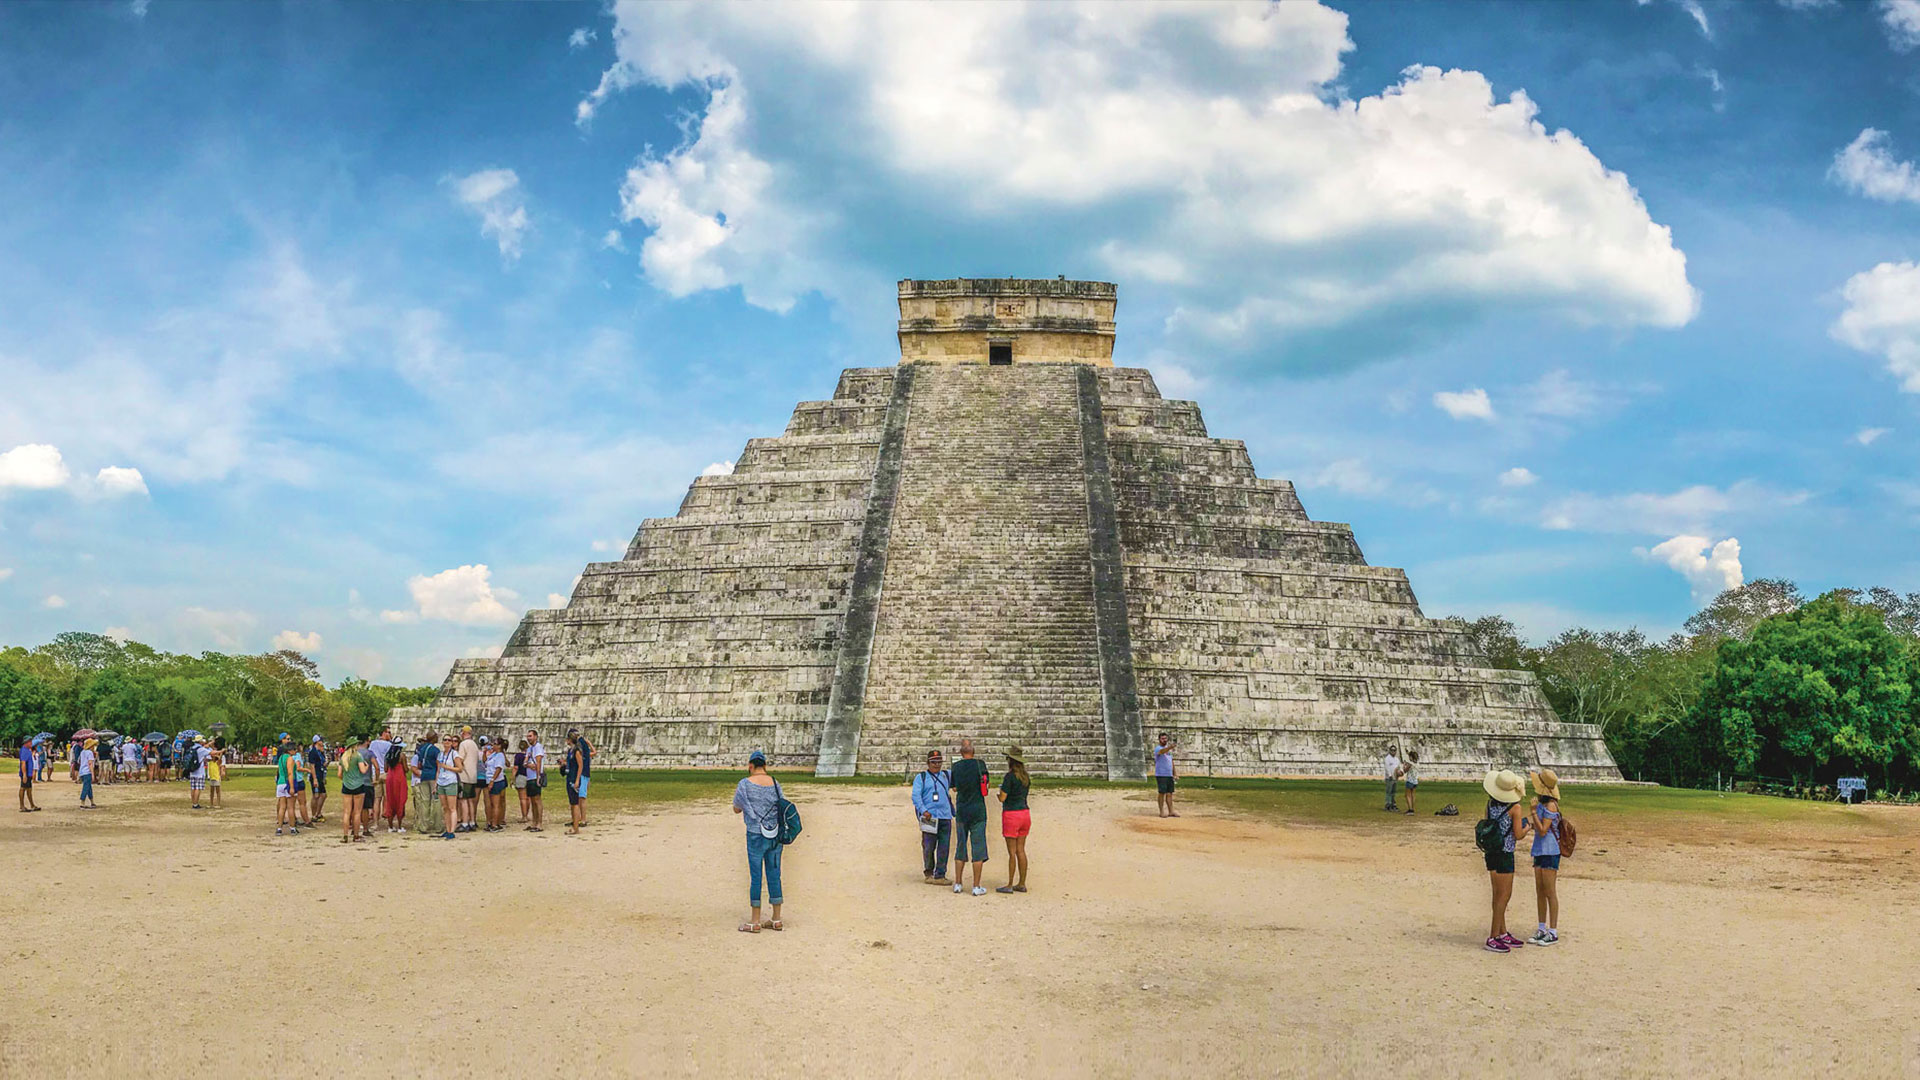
(1213, 945)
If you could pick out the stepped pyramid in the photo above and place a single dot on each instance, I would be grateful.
(1005, 536)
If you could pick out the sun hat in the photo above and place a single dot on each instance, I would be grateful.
(1014, 753)
(1546, 784)
(1505, 786)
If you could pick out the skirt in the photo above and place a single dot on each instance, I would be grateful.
(1015, 824)
(396, 792)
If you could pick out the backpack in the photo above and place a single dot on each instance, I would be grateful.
(789, 816)
(1564, 830)
(1486, 835)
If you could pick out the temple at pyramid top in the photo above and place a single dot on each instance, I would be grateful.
(1006, 321)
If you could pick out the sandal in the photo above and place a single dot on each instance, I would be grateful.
(773, 924)
(1004, 889)
(749, 928)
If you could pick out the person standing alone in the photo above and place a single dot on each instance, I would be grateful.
(1165, 774)
(29, 768)
(933, 809)
(86, 762)
(969, 817)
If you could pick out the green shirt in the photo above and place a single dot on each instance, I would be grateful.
(1016, 792)
(356, 771)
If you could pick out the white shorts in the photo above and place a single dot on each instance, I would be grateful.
(280, 792)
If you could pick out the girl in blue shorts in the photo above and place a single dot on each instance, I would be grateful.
(1546, 855)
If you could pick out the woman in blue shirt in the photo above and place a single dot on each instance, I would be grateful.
(757, 800)
(1546, 855)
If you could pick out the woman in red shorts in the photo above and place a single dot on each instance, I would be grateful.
(1015, 821)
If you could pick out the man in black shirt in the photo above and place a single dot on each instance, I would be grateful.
(969, 817)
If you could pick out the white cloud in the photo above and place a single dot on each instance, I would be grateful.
(139, 7)
(1883, 317)
(118, 633)
(613, 241)
(1464, 404)
(485, 652)
(557, 600)
(1902, 22)
(1558, 394)
(227, 629)
(115, 480)
(581, 37)
(1177, 380)
(1349, 476)
(34, 466)
(461, 595)
(609, 545)
(54, 602)
(495, 195)
(1282, 207)
(1868, 436)
(1699, 15)
(297, 641)
(1694, 509)
(5, 572)
(1710, 568)
(1866, 166)
(718, 468)
(1518, 476)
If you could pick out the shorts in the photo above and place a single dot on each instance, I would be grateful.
(533, 788)
(26, 783)
(280, 792)
(1015, 824)
(969, 840)
(582, 784)
(1500, 862)
(366, 799)
(520, 783)
(497, 787)
(213, 783)
(573, 795)
(1546, 862)
(301, 785)
(466, 790)
(197, 783)
(1165, 783)
(449, 791)
(1411, 784)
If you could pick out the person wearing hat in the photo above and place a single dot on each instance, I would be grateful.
(313, 774)
(85, 765)
(378, 747)
(931, 793)
(1505, 790)
(1015, 821)
(1546, 856)
(356, 784)
(197, 776)
(756, 798)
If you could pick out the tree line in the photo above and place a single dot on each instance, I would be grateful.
(1761, 683)
(81, 680)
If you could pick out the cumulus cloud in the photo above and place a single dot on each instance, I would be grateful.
(1689, 510)
(718, 468)
(227, 629)
(1710, 568)
(1464, 404)
(485, 652)
(1518, 476)
(1349, 476)
(1870, 435)
(462, 595)
(1866, 166)
(118, 633)
(1882, 317)
(557, 600)
(115, 480)
(33, 466)
(1211, 149)
(54, 602)
(297, 641)
(1901, 19)
(494, 195)
(581, 37)
(613, 241)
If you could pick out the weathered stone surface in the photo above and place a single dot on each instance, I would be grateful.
(1046, 552)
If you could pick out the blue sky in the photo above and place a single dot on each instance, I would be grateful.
(362, 328)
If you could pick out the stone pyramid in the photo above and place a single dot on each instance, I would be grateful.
(1005, 537)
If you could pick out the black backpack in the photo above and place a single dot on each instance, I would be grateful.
(1486, 835)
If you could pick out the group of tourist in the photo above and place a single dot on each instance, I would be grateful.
(1401, 772)
(453, 782)
(1509, 824)
(201, 762)
(951, 808)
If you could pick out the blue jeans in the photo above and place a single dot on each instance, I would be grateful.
(763, 855)
(86, 788)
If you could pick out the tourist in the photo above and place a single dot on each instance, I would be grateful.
(1410, 776)
(1391, 764)
(356, 788)
(520, 779)
(73, 761)
(1505, 789)
(153, 763)
(285, 772)
(578, 770)
(378, 748)
(536, 779)
(165, 754)
(216, 772)
(393, 801)
(316, 774)
(1015, 821)
(30, 766)
(426, 768)
(970, 778)
(1546, 856)
(497, 785)
(84, 764)
(448, 778)
(756, 798)
(933, 808)
(197, 776)
(130, 760)
(43, 753)
(1165, 774)
(469, 771)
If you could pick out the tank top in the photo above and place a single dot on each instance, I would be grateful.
(1547, 841)
(1499, 811)
(354, 776)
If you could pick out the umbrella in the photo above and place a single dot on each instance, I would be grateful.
(44, 735)
(105, 733)
(154, 736)
(85, 733)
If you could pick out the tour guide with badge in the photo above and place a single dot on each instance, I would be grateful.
(933, 808)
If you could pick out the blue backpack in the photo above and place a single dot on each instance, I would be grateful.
(789, 816)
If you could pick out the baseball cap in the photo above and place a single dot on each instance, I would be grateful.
(316, 738)
(758, 757)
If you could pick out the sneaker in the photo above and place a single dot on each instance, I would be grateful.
(959, 888)
(1544, 937)
(1494, 944)
(979, 890)
(1511, 941)
(279, 832)
(942, 880)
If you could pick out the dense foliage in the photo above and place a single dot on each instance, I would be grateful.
(1761, 684)
(90, 681)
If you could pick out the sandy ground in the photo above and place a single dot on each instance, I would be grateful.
(1211, 945)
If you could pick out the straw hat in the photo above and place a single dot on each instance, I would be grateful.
(1505, 786)
(1014, 753)
(1546, 784)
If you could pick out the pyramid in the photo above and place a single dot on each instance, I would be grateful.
(1005, 536)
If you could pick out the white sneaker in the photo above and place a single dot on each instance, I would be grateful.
(979, 890)
(958, 888)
